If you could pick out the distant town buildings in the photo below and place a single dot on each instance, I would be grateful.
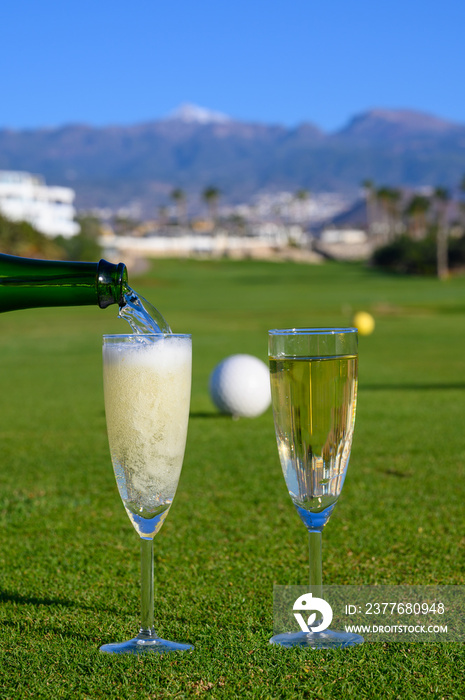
(279, 225)
(26, 197)
(262, 241)
(273, 225)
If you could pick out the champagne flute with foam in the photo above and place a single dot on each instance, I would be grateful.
(314, 394)
(147, 381)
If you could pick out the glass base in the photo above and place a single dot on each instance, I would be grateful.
(328, 639)
(144, 644)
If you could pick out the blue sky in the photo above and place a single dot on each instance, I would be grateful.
(322, 61)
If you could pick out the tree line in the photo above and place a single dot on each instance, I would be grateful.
(22, 239)
(414, 227)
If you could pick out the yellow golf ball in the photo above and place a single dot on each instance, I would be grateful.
(364, 322)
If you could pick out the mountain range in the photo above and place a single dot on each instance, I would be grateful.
(122, 166)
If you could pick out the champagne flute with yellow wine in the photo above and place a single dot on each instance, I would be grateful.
(314, 394)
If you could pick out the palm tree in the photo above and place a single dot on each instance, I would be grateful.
(370, 202)
(462, 202)
(441, 199)
(416, 212)
(179, 198)
(162, 215)
(210, 196)
(389, 198)
(301, 197)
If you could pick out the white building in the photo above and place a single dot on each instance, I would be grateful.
(26, 197)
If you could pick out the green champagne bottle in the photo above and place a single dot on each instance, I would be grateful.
(26, 283)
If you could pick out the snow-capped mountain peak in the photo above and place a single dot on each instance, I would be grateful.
(191, 113)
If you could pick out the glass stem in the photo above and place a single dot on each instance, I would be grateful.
(146, 589)
(316, 572)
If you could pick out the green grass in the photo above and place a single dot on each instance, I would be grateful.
(69, 559)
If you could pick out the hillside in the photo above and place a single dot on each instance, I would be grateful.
(193, 148)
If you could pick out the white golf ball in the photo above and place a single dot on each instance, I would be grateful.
(240, 386)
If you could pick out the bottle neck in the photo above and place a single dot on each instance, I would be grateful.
(112, 281)
(29, 283)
